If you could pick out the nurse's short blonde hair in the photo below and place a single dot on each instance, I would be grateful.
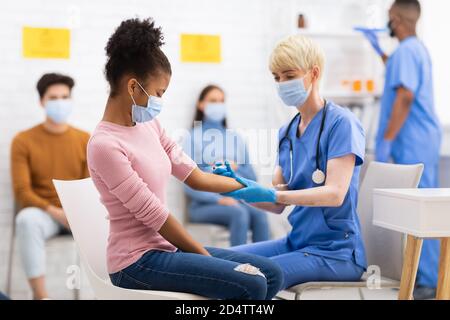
(297, 52)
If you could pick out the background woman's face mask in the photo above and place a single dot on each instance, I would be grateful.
(215, 111)
(59, 110)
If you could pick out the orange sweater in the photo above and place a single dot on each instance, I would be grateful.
(38, 156)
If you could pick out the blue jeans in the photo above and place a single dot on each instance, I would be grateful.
(212, 277)
(239, 219)
(3, 297)
(299, 267)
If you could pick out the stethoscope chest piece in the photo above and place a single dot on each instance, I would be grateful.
(318, 176)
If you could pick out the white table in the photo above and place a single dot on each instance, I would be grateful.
(421, 214)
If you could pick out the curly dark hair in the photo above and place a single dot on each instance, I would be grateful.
(50, 79)
(134, 48)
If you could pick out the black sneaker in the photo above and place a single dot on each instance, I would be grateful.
(424, 293)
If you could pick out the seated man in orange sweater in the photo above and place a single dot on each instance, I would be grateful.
(50, 150)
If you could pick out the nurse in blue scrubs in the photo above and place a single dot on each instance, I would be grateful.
(409, 131)
(320, 154)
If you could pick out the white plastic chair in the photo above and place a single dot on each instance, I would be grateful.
(384, 248)
(88, 220)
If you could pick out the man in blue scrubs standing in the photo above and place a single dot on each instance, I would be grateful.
(409, 131)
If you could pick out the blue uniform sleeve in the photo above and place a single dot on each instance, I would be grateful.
(405, 70)
(347, 137)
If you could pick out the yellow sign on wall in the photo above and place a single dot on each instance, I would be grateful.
(46, 43)
(200, 48)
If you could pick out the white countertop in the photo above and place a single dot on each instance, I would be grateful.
(416, 194)
(424, 213)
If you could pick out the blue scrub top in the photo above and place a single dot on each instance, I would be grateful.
(325, 231)
(419, 140)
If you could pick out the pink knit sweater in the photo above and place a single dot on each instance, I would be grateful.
(131, 167)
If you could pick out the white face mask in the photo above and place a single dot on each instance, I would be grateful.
(141, 114)
(293, 92)
(215, 111)
(59, 110)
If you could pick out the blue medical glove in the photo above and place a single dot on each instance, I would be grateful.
(383, 151)
(226, 171)
(253, 192)
(371, 35)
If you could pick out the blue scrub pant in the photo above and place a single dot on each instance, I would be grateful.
(299, 267)
(427, 274)
(239, 219)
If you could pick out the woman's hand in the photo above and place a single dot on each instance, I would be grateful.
(224, 169)
(253, 192)
(227, 201)
(174, 232)
(59, 215)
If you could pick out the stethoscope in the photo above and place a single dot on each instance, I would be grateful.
(318, 176)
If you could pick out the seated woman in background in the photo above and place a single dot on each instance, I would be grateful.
(210, 141)
(131, 159)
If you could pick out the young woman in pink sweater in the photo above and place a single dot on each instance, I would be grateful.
(131, 158)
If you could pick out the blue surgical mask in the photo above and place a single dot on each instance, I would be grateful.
(215, 111)
(141, 114)
(59, 110)
(293, 92)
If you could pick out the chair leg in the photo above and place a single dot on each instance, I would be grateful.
(410, 265)
(443, 290)
(361, 293)
(76, 291)
(9, 272)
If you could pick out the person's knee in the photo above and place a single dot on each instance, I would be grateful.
(254, 287)
(239, 215)
(260, 218)
(276, 278)
(274, 274)
(27, 219)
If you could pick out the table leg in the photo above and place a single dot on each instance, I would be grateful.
(443, 289)
(410, 265)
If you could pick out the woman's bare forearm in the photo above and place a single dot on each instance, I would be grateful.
(204, 181)
(276, 208)
(174, 232)
(326, 196)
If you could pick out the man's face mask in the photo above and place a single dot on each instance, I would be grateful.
(59, 110)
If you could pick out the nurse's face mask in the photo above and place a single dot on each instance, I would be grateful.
(140, 114)
(293, 92)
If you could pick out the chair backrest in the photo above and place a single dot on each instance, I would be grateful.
(384, 248)
(88, 221)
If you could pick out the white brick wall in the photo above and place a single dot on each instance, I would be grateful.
(248, 28)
